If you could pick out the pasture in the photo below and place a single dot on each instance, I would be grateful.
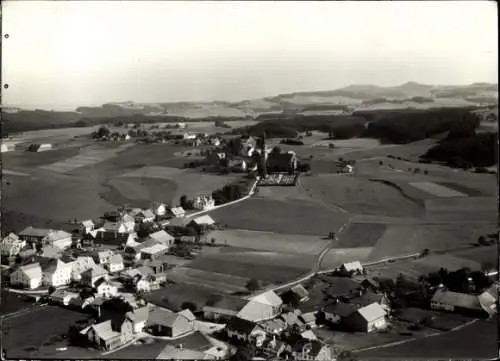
(335, 257)
(270, 241)
(26, 334)
(480, 209)
(292, 217)
(408, 239)
(357, 195)
(360, 235)
(480, 344)
(437, 190)
(484, 254)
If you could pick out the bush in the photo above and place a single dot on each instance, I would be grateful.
(426, 172)
(292, 141)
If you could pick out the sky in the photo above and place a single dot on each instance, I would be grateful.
(63, 54)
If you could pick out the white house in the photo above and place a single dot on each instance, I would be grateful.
(347, 168)
(153, 251)
(28, 276)
(105, 288)
(80, 265)
(11, 245)
(145, 216)
(87, 226)
(247, 331)
(367, 319)
(262, 307)
(162, 237)
(355, 266)
(143, 285)
(102, 257)
(159, 209)
(138, 317)
(92, 275)
(178, 212)
(63, 297)
(115, 263)
(59, 239)
(57, 273)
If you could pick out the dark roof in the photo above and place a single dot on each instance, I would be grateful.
(111, 238)
(340, 286)
(365, 299)
(315, 346)
(340, 309)
(240, 325)
(158, 316)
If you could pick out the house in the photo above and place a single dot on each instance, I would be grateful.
(7, 147)
(34, 235)
(102, 257)
(488, 299)
(223, 308)
(467, 304)
(80, 265)
(203, 202)
(40, 147)
(153, 252)
(167, 323)
(59, 239)
(189, 315)
(274, 326)
(177, 212)
(63, 297)
(312, 350)
(264, 306)
(200, 223)
(369, 283)
(87, 226)
(309, 335)
(309, 318)
(347, 168)
(110, 334)
(56, 273)
(11, 245)
(145, 216)
(295, 295)
(188, 136)
(340, 287)
(162, 237)
(336, 311)
(352, 267)
(28, 276)
(105, 288)
(51, 252)
(115, 263)
(144, 284)
(366, 319)
(138, 317)
(103, 237)
(292, 319)
(242, 330)
(91, 275)
(160, 209)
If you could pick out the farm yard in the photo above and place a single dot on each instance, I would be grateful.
(292, 217)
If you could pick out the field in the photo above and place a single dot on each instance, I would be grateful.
(36, 335)
(335, 257)
(408, 239)
(480, 344)
(486, 254)
(173, 296)
(437, 190)
(468, 209)
(268, 241)
(292, 217)
(12, 302)
(361, 235)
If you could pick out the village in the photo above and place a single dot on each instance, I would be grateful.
(106, 268)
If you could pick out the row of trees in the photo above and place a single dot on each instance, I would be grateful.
(229, 193)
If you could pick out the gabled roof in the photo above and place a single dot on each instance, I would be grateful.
(139, 314)
(145, 271)
(104, 330)
(116, 259)
(147, 213)
(96, 271)
(88, 223)
(352, 266)
(54, 266)
(35, 232)
(372, 312)
(58, 235)
(188, 314)
(340, 309)
(268, 298)
(291, 319)
(161, 236)
(300, 291)
(155, 249)
(177, 210)
(160, 316)
(240, 325)
(456, 299)
(33, 271)
(204, 220)
(10, 238)
(101, 281)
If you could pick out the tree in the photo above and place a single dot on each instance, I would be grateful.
(212, 240)
(51, 290)
(253, 285)
(425, 252)
(183, 201)
(191, 231)
(381, 162)
(331, 146)
(103, 132)
(480, 280)
(18, 259)
(191, 306)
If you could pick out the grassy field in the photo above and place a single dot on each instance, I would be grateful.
(28, 160)
(335, 257)
(487, 254)
(358, 195)
(360, 235)
(25, 334)
(222, 282)
(12, 302)
(408, 239)
(480, 344)
(292, 217)
(467, 209)
(268, 241)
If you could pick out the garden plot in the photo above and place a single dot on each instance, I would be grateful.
(87, 157)
(270, 241)
(437, 190)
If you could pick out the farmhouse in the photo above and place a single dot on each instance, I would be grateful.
(102, 257)
(138, 317)
(80, 265)
(28, 276)
(177, 212)
(159, 209)
(110, 334)
(6, 147)
(366, 319)
(56, 273)
(200, 223)
(295, 295)
(153, 252)
(163, 322)
(162, 237)
(145, 216)
(245, 331)
(463, 303)
(59, 239)
(292, 319)
(11, 245)
(312, 350)
(224, 308)
(34, 235)
(264, 306)
(352, 267)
